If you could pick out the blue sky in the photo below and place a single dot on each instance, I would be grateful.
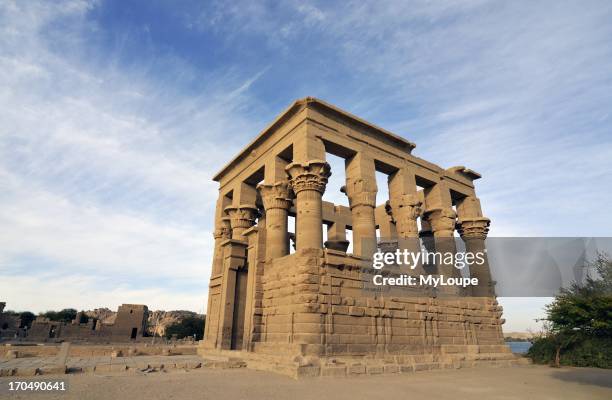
(115, 115)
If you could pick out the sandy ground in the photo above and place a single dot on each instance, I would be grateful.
(526, 382)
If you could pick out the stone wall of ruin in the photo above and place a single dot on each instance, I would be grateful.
(321, 306)
(93, 330)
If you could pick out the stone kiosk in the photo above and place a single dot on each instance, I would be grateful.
(309, 307)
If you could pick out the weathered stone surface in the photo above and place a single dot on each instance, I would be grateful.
(53, 370)
(130, 322)
(12, 354)
(333, 370)
(26, 371)
(356, 369)
(266, 299)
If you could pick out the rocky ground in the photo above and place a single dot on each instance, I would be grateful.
(532, 382)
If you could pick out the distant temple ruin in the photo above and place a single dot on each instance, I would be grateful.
(265, 299)
(130, 324)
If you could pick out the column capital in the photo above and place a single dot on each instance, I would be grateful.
(310, 175)
(360, 192)
(224, 231)
(473, 228)
(442, 220)
(242, 216)
(276, 195)
(406, 209)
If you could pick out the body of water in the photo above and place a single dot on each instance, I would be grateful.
(519, 347)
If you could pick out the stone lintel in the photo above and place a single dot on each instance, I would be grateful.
(465, 172)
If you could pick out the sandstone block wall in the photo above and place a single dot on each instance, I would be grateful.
(323, 308)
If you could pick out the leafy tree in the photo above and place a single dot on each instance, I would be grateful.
(603, 266)
(580, 314)
(587, 308)
(84, 319)
(26, 319)
(187, 327)
(67, 315)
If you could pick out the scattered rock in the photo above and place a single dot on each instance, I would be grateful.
(12, 354)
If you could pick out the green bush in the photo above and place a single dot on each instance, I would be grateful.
(188, 327)
(67, 315)
(579, 323)
(26, 319)
(585, 352)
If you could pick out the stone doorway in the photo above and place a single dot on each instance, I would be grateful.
(239, 308)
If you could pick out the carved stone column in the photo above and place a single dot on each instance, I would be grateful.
(277, 202)
(308, 181)
(406, 210)
(252, 235)
(362, 201)
(473, 228)
(221, 234)
(242, 217)
(427, 237)
(336, 237)
(386, 222)
(361, 191)
(443, 221)
(406, 207)
(337, 221)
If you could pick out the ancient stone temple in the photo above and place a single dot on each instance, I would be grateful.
(265, 298)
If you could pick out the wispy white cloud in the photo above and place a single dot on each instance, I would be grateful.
(519, 92)
(105, 173)
(93, 238)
